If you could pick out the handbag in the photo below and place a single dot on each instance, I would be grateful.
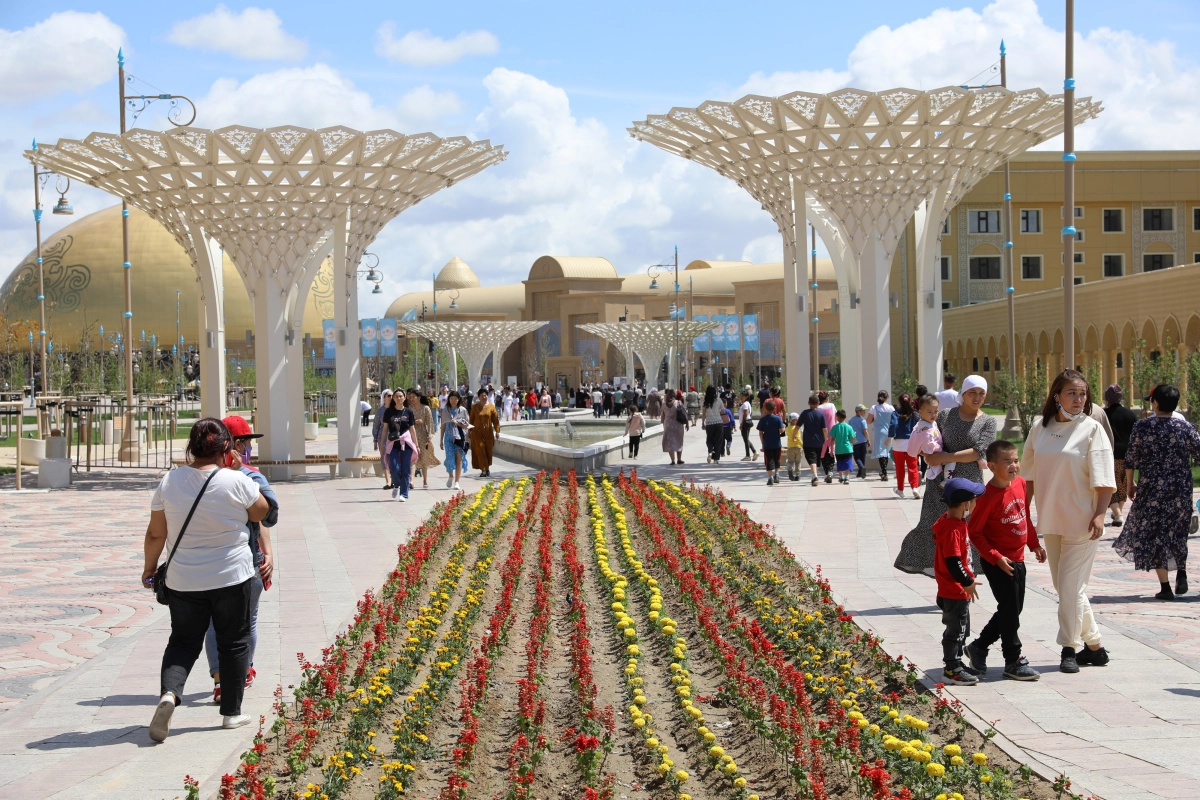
(161, 593)
(681, 416)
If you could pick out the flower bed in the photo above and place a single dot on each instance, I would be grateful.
(688, 656)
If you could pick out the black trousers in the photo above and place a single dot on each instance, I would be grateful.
(746, 428)
(956, 616)
(1009, 591)
(860, 457)
(883, 466)
(228, 609)
(714, 438)
(634, 443)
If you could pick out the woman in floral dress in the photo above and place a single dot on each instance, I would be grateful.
(966, 433)
(1161, 450)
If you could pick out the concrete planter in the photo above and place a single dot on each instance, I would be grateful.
(56, 447)
(54, 473)
(310, 431)
(32, 452)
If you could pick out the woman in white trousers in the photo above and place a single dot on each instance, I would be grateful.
(1068, 457)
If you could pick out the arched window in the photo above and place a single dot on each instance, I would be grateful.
(974, 365)
(987, 367)
(1120, 361)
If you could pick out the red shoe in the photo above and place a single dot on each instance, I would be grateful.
(216, 694)
(250, 676)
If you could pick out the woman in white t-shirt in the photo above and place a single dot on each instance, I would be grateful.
(1068, 459)
(211, 572)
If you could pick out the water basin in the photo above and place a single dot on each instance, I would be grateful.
(582, 442)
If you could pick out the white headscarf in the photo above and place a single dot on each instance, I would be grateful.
(974, 382)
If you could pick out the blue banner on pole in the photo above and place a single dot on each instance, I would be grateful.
(733, 332)
(370, 337)
(718, 333)
(330, 338)
(750, 332)
(701, 342)
(387, 337)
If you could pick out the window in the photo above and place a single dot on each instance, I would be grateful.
(1031, 220)
(1078, 212)
(1079, 235)
(1155, 261)
(945, 268)
(947, 304)
(1114, 220)
(1158, 219)
(1196, 218)
(1031, 268)
(983, 222)
(1196, 258)
(985, 268)
(1076, 258)
(974, 365)
(987, 367)
(1078, 281)
(1114, 265)
(946, 226)
(1120, 361)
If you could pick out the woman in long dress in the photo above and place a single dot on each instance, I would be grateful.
(486, 430)
(673, 429)
(424, 430)
(966, 434)
(653, 404)
(879, 419)
(1155, 536)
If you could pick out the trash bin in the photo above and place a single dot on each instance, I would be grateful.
(56, 447)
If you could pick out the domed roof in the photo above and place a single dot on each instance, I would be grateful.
(85, 284)
(571, 267)
(456, 275)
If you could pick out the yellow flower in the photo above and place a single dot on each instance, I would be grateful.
(716, 752)
(935, 770)
(952, 750)
(681, 776)
(985, 778)
(979, 758)
(739, 783)
(957, 761)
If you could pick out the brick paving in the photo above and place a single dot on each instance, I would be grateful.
(81, 643)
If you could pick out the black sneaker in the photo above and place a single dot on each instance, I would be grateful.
(1068, 664)
(814, 483)
(829, 479)
(1165, 594)
(1017, 671)
(976, 659)
(958, 676)
(1181, 586)
(1092, 658)
(770, 480)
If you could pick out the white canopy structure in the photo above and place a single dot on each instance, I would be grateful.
(858, 165)
(652, 340)
(474, 341)
(278, 202)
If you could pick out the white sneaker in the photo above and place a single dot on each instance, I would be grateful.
(449, 481)
(708, 460)
(898, 493)
(160, 724)
(403, 499)
(456, 487)
(395, 491)
(916, 493)
(236, 721)
(745, 458)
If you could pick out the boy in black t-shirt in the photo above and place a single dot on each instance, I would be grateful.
(815, 434)
(770, 436)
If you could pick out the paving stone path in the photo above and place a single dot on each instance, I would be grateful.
(81, 642)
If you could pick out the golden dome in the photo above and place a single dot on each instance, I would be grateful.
(85, 285)
(456, 275)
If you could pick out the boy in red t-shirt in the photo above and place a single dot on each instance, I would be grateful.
(956, 585)
(1001, 529)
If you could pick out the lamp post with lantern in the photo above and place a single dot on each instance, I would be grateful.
(62, 207)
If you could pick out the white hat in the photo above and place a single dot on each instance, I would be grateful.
(793, 415)
(974, 382)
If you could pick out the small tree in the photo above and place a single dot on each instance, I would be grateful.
(1149, 370)
(1192, 370)
(903, 382)
(832, 379)
(1025, 393)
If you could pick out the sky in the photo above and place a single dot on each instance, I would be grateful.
(558, 84)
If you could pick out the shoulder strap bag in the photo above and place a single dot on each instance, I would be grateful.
(161, 593)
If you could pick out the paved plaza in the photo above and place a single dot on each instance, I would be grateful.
(81, 643)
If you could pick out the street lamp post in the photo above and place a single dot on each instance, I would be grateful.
(61, 207)
(137, 104)
(1068, 157)
(1012, 423)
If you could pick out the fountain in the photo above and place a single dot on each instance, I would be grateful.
(583, 443)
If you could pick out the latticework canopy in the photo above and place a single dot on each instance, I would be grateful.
(652, 340)
(474, 340)
(268, 196)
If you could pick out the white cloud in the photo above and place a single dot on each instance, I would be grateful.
(764, 249)
(68, 51)
(1147, 88)
(423, 49)
(314, 97)
(256, 33)
(424, 107)
(777, 83)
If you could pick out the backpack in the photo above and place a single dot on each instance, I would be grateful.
(681, 416)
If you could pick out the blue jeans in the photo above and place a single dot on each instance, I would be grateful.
(210, 638)
(545, 413)
(400, 467)
(454, 454)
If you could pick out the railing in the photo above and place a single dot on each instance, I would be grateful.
(95, 430)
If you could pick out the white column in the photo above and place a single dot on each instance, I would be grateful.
(210, 271)
(875, 336)
(271, 371)
(349, 378)
(796, 340)
(297, 302)
(929, 290)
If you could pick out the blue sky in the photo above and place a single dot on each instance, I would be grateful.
(557, 84)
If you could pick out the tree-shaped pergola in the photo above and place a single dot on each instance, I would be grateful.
(652, 341)
(278, 202)
(474, 341)
(859, 165)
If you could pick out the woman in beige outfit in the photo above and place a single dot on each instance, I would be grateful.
(1068, 457)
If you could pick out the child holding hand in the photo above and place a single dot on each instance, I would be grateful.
(956, 584)
(1001, 531)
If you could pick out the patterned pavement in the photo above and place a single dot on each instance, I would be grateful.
(80, 648)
